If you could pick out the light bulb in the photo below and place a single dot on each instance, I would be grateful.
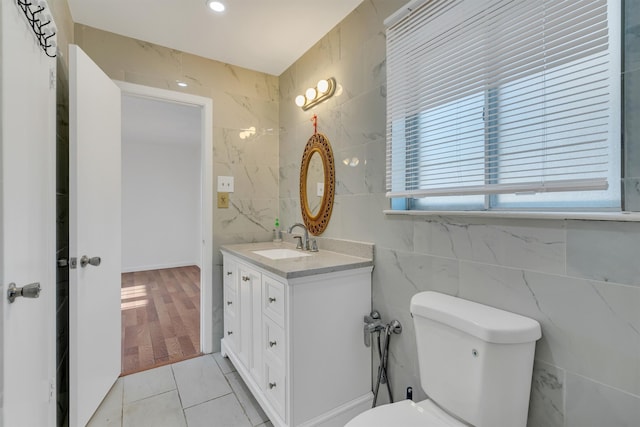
(323, 86)
(310, 94)
(300, 100)
(216, 6)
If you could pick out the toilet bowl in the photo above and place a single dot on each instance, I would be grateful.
(461, 345)
(406, 414)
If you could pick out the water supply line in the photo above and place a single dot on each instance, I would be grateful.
(373, 324)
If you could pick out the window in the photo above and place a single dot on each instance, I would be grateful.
(504, 104)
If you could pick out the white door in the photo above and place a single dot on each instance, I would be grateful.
(27, 224)
(94, 232)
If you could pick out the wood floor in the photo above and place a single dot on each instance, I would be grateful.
(160, 317)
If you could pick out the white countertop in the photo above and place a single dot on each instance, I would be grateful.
(320, 262)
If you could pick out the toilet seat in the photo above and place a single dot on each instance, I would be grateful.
(406, 414)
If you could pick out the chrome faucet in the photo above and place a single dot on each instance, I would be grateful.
(304, 246)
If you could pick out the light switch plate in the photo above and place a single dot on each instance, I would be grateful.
(225, 184)
(223, 200)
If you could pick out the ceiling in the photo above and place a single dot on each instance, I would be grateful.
(262, 35)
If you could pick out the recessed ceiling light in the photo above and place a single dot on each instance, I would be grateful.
(216, 6)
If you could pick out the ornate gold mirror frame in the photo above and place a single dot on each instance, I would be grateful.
(316, 223)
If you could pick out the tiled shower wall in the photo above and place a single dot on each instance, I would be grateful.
(579, 279)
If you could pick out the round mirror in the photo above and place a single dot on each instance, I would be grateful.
(317, 184)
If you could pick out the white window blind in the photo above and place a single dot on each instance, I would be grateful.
(501, 96)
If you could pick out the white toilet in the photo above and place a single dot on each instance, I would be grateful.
(475, 365)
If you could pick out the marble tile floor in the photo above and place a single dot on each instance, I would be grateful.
(203, 391)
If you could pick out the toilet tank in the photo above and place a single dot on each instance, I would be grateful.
(475, 361)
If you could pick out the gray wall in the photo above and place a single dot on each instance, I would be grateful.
(579, 279)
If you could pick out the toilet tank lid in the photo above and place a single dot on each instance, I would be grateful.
(487, 323)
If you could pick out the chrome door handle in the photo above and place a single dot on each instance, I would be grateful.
(31, 290)
(85, 260)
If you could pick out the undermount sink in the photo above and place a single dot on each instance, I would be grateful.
(280, 253)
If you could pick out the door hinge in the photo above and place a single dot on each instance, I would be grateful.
(52, 390)
(52, 78)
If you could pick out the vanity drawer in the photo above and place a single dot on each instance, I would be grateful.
(274, 340)
(230, 330)
(230, 300)
(273, 299)
(229, 273)
(275, 386)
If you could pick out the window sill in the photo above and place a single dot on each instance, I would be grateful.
(587, 216)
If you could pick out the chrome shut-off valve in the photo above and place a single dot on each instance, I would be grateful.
(372, 323)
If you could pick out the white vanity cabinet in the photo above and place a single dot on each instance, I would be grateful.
(298, 342)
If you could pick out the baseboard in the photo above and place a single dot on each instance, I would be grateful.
(160, 266)
(341, 415)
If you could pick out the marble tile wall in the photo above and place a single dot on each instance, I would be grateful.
(242, 99)
(579, 279)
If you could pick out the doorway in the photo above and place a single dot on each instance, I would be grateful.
(166, 224)
(160, 317)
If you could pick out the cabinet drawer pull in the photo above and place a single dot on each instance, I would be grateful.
(272, 299)
(229, 273)
(272, 385)
(229, 302)
(272, 343)
(229, 332)
(246, 278)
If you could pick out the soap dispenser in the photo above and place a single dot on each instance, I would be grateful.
(277, 232)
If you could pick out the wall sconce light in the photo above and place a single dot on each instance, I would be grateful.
(247, 133)
(315, 95)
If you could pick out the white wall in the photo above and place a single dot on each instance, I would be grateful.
(27, 222)
(160, 200)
